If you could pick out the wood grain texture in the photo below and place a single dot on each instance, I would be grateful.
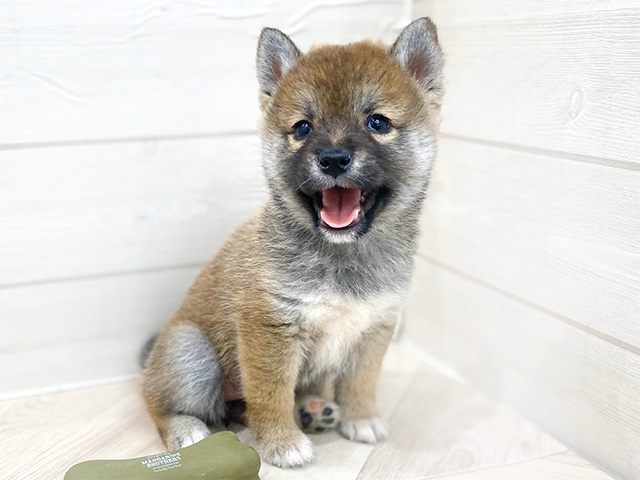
(149, 68)
(87, 210)
(123, 152)
(112, 422)
(58, 335)
(529, 278)
(562, 76)
(581, 389)
(442, 427)
(41, 437)
(560, 234)
(562, 466)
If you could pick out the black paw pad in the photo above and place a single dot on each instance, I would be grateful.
(305, 419)
(328, 421)
(327, 411)
(319, 429)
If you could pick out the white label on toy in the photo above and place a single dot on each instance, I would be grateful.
(163, 461)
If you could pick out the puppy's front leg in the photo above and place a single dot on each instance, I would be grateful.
(356, 389)
(270, 358)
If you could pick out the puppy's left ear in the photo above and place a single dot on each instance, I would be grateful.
(417, 49)
(276, 55)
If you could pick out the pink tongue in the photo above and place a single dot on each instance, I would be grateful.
(340, 206)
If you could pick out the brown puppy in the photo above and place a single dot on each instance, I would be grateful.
(303, 299)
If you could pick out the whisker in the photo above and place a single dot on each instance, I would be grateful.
(308, 180)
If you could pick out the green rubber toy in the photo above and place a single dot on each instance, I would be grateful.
(218, 457)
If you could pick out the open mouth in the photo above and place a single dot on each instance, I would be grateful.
(341, 209)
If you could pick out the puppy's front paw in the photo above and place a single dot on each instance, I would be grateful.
(288, 454)
(365, 430)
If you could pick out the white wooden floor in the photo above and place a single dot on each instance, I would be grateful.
(439, 428)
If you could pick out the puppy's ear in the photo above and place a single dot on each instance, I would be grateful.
(417, 49)
(276, 55)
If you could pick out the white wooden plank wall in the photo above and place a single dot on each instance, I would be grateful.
(528, 279)
(127, 154)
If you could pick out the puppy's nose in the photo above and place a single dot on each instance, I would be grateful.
(334, 161)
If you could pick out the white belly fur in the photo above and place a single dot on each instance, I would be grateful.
(336, 323)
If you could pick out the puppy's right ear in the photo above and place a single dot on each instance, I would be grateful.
(276, 55)
(417, 49)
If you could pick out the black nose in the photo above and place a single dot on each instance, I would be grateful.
(334, 161)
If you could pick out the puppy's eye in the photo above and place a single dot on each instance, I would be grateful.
(301, 129)
(379, 123)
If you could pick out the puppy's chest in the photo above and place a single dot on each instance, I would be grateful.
(335, 325)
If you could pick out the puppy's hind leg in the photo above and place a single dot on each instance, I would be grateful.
(179, 431)
(183, 386)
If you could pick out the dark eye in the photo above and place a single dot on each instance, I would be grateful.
(301, 129)
(378, 123)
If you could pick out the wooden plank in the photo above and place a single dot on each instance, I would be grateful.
(59, 335)
(86, 210)
(562, 76)
(42, 437)
(441, 427)
(148, 68)
(579, 388)
(562, 466)
(458, 12)
(558, 233)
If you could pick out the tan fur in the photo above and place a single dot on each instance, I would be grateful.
(362, 68)
(265, 357)
(260, 354)
(356, 391)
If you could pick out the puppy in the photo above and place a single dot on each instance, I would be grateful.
(303, 299)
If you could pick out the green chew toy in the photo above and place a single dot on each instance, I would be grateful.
(218, 457)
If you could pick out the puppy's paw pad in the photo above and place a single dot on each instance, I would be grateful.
(287, 455)
(366, 430)
(317, 415)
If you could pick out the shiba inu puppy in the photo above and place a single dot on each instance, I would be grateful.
(301, 302)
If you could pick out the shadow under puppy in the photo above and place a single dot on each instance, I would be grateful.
(303, 299)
